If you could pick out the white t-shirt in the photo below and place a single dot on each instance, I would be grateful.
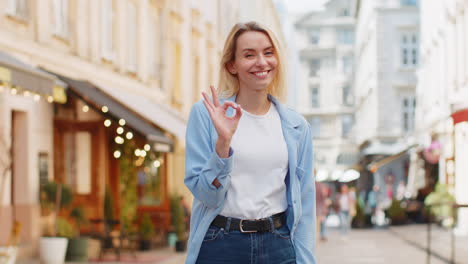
(259, 168)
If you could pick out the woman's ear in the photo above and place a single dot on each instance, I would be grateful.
(230, 67)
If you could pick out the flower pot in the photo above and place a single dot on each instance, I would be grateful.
(52, 250)
(77, 249)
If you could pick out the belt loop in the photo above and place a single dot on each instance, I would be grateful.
(228, 224)
(272, 225)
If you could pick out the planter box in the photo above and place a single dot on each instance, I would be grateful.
(52, 250)
(77, 249)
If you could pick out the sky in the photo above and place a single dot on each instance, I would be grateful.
(299, 6)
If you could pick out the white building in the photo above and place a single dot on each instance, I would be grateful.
(442, 93)
(325, 93)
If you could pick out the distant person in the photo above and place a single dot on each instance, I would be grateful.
(345, 204)
(323, 202)
(249, 168)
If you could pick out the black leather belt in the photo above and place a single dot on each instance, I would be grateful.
(251, 226)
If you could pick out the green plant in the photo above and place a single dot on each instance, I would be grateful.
(177, 216)
(79, 217)
(397, 213)
(440, 203)
(146, 227)
(54, 197)
(64, 228)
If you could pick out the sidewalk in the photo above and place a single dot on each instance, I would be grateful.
(416, 236)
(160, 256)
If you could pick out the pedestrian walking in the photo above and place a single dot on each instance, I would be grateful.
(323, 203)
(249, 161)
(346, 203)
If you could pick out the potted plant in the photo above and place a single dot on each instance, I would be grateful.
(54, 241)
(440, 204)
(178, 222)
(146, 232)
(77, 245)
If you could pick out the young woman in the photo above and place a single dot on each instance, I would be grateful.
(249, 162)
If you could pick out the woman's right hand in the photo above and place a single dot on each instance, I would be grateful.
(225, 125)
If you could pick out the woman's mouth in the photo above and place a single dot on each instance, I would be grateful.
(261, 74)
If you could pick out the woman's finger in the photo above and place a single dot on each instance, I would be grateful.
(228, 104)
(208, 107)
(215, 96)
(207, 101)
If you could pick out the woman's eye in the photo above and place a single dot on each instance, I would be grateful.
(249, 55)
(269, 53)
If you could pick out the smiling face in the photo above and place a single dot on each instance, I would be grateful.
(255, 62)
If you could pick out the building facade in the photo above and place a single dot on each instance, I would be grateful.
(442, 94)
(325, 91)
(387, 56)
(149, 58)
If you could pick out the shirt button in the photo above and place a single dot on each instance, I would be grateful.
(294, 201)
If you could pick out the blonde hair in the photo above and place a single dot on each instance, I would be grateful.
(228, 82)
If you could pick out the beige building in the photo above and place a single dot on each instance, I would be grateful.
(154, 57)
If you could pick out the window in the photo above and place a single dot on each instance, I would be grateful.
(107, 28)
(132, 38)
(409, 2)
(315, 96)
(314, 66)
(345, 36)
(77, 158)
(315, 126)
(150, 190)
(408, 112)
(153, 48)
(347, 62)
(18, 8)
(347, 122)
(409, 49)
(347, 96)
(314, 36)
(61, 18)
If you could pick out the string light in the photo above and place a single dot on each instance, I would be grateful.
(147, 147)
(85, 108)
(117, 154)
(129, 135)
(156, 163)
(122, 122)
(37, 97)
(142, 153)
(107, 123)
(119, 140)
(13, 91)
(137, 152)
(104, 109)
(120, 130)
(26, 93)
(50, 99)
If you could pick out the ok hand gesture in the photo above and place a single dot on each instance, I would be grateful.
(225, 125)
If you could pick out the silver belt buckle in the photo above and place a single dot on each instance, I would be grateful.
(242, 229)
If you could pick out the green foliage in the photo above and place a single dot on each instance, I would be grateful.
(65, 228)
(79, 216)
(108, 205)
(146, 227)
(177, 216)
(397, 213)
(128, 185)
(441, 202)
(49, 194)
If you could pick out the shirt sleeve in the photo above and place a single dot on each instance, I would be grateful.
(304, 236)
(202, 163)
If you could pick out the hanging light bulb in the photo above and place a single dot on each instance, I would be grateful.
(122, 122)
(129, 135)
(104, 109)
(147, 147)
(13, 91)
(85, 108)
(142, 153)
(120, 130)
(107, 123)
(137, 152)
(26, 93)
(117, 154)
(119, 140)
(37, 97)
(50, 99)
(156, 163)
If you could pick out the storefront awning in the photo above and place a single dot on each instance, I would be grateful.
(96, 98)
(374, 166)
(19, 74)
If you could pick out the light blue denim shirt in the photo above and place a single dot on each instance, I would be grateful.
(203, 165)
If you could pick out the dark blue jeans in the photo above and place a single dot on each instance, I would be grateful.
(221, 246)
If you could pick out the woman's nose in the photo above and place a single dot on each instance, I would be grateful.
(261, 61)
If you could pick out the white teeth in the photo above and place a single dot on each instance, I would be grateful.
(260, 74)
